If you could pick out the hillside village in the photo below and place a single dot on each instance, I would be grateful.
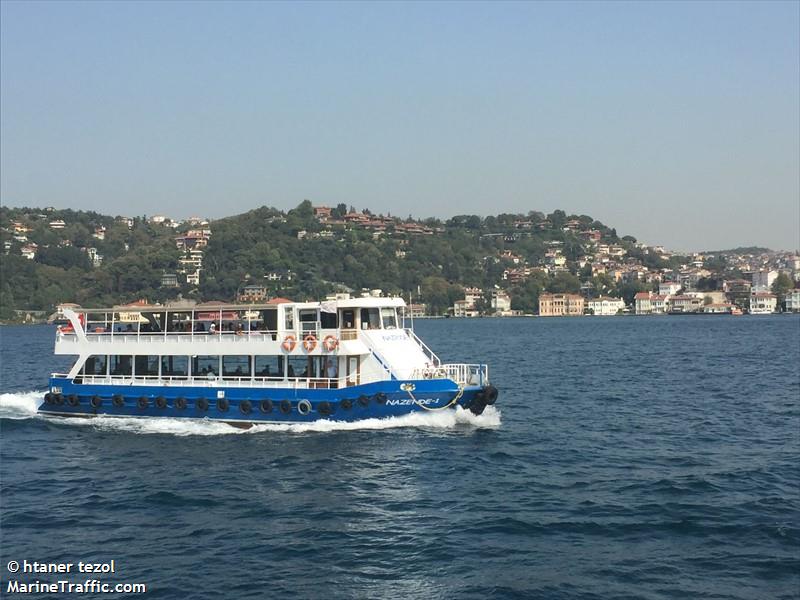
(466, 266)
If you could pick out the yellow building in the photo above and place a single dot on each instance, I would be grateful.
(560, 305)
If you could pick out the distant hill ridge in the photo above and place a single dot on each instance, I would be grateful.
(53, 256)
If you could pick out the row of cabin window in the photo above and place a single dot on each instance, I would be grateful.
(211, 366)
(371, 318)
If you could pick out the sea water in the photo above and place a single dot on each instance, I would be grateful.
(653, 457)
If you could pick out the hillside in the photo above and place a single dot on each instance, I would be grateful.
(52, 256)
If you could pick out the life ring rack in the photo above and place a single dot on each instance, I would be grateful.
(331, 343)
(310, 342)
(289, 342)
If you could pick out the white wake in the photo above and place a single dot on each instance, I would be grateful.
(23, 406)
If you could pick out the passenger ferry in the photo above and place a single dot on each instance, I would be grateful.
(280, 362)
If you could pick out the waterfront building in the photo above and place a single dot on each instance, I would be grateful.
(561, 305)
(501, 303)
(685, 304)
(793, 301)
(647, 303)
(763, 303)
(642, 304)
(605, 306)
(464, 308)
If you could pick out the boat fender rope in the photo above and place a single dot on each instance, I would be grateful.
(455, 399)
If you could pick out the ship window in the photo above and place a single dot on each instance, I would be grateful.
(268, 366)
(146, 366)
(308, 321)
(370, 319)
(235, 366)
(389, 318)
(121, 365)
(348, 319)
(205, 365)
(95, 365)
(180, 322)
(176, 367)
(328, 320)
(300, 366)
(288, 315)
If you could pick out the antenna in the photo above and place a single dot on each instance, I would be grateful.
(411, 307)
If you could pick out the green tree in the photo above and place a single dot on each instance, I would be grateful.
(782, 285)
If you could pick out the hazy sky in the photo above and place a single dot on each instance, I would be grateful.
(678, 123)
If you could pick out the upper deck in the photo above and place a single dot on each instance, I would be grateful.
(226, 324)
(369, 328)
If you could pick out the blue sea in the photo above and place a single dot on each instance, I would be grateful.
(652, 457)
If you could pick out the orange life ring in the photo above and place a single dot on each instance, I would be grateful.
(330, 342)
(289, 343)
(310, 342)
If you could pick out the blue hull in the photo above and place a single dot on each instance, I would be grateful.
(256, 405)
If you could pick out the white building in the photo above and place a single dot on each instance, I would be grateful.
(501, 302)
(793, 301)
(668, 288)
(57, 224)
(605, 306)
(763, 303)
(97, 259)
(763, 280)
(463, 308)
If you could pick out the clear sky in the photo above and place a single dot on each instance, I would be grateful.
(678, 123)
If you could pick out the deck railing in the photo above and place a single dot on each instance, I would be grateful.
(461, 373)
(224, 381)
